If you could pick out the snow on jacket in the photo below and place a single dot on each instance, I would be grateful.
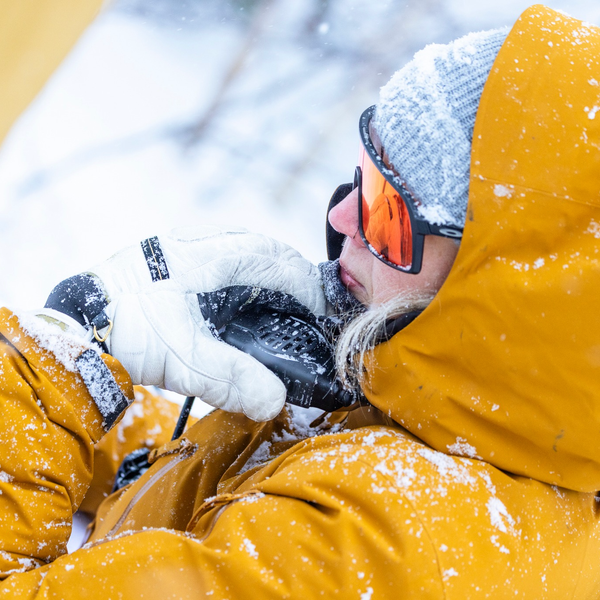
(474, 473)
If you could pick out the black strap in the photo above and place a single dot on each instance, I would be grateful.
(157, 265)
(103, 388)
(334, 238)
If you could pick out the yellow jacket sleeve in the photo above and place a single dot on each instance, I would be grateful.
(50, 422)
(370, 513)
(148, 423)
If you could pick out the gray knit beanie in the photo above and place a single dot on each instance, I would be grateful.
(425, 119)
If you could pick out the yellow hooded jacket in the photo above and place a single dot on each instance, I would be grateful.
(474, 473)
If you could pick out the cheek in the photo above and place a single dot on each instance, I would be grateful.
(388, 283)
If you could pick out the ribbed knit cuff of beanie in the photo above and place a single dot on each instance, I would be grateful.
(425, 119)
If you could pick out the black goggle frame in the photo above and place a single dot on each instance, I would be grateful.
(419, 226)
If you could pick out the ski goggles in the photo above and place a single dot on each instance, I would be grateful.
(387, 217)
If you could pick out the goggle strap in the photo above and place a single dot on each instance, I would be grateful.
(333, 238)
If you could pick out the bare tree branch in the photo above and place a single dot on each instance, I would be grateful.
(195, 132)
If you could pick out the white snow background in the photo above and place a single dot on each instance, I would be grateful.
(179, 113)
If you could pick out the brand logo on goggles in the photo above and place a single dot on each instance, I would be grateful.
(450, 232)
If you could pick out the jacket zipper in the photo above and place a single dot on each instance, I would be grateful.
(139, 495)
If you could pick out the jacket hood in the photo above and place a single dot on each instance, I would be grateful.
(504, 365)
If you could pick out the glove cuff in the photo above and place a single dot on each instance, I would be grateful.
(80, 299)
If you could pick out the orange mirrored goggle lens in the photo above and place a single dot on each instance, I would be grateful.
(385, 221)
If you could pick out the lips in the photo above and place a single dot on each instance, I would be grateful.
(349, 280)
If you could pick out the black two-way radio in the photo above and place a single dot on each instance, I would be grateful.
(280, 333)
(283, 335)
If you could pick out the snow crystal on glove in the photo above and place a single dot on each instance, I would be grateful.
(65, 346)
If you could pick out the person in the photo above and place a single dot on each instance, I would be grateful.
(473, 469)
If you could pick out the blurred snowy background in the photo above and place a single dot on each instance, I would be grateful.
(183, 112)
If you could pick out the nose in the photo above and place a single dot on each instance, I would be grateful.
(344, 216)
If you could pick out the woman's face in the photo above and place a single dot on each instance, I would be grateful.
(370, 280)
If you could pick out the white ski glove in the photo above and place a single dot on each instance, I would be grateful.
(156, 328)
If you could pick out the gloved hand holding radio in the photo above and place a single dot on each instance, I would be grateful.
(142, 305)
